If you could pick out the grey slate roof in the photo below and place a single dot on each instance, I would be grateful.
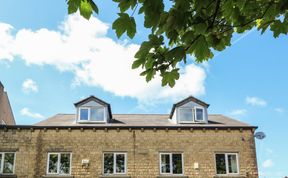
(138, 120)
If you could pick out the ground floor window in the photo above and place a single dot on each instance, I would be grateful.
(227, 163)
(59, 163)
(171, 163)
(114, 163)
(7, 162)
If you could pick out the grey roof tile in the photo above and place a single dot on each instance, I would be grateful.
(215, 120)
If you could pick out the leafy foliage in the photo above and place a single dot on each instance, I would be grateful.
(190, 27)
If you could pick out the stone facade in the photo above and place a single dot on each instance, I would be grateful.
(6, 114)
(142, 146)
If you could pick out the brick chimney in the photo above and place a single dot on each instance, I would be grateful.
(1, 88)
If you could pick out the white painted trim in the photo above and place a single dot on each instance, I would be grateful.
(89, 114)
(226, 163)
(171, 166)
(58, 163)
(114, 162)
(2, 163)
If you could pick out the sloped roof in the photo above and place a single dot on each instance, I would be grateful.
(93, 98)
(142, 120)
(186, 100)
(6, 113)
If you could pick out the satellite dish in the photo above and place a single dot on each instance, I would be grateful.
(260, 135)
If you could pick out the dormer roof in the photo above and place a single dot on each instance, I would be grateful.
(186, 100)
(99, 101)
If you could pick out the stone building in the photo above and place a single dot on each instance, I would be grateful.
(94, 143)
(6, 114)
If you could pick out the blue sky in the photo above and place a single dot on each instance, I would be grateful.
(247, 81)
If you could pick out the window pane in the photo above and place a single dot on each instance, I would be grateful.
(108, 163)
(177, 163)
(120, 163)
(199, 114)
(97, 114)
(232, 164)
(8, 163)
(165, 163)
(220, 164)
(83, 114)
(185, 115)
(53, 161)
(64, 164)
(1, 161)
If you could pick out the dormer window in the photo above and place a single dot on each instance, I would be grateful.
(199, 114)
(93, 110)
(186, 115)
(190, 110)
(93, 114)
(84, 114)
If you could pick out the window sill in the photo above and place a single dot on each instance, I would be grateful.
(172, 176)
(115, 176)
(229, 176)
(57, 176)
(8, 176)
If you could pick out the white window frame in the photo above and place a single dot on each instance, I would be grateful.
(184, 108)
(195, 114)
(114, 163)
(226, 163)
(89, 114)
(2, 163)
(171, 167)
(58, 163)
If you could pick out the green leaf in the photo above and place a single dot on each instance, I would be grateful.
(150, 74)
(124, 5)
(278, 27)
(123, 24)
(201, 28)
(73, 6)
(170, 77)
(177, 53)
(200, 49)
(86, 9)
(137, 63)
(152, 10)
(94, 7)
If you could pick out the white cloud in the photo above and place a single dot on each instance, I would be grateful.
(279, 110)
(6, 42)
(267, 163)
(255, 101)
(238, 112)
(28, 113)
(29, 86)
(82, 47)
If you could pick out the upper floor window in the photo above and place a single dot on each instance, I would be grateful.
(7, 162)
(188, 115)
(114, 163)
(59, 163)
(227, 163)
(171, 163)
(199, 114)
(95, 114)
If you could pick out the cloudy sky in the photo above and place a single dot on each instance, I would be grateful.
(49, 60)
